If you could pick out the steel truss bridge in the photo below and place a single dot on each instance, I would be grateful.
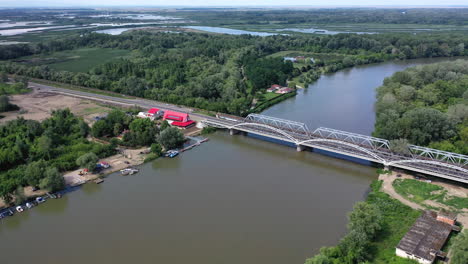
(433, 162)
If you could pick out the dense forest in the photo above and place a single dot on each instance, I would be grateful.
(219, 72)
(426, 105)
(446, 16)
(34, 153)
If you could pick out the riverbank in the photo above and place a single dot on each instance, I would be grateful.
(440, 187)
(392, 220)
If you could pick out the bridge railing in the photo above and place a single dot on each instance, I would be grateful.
(297, 131)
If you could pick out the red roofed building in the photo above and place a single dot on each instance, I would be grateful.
(187, 124)
(153, 111)
(176, 116)
(273, 88)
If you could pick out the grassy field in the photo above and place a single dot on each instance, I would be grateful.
(269, 96)
(419, 191)
(79, 60)
(79, 88)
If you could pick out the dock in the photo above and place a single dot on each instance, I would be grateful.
(98, 181)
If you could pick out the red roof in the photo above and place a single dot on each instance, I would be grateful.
(276, 86)
(153, 110)
(183, 124)
(176, 116)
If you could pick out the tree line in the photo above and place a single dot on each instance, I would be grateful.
(426, 105)
(221, 73)
(437, 16)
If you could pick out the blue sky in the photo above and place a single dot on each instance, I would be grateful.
(30, 3)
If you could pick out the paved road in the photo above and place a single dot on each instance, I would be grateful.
(143, 103)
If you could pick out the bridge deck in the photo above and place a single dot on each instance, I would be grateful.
(349, 144)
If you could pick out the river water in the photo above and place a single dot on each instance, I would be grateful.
(235, 199)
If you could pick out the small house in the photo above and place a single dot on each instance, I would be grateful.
(291, 59)
(299, 58)
(274, 87)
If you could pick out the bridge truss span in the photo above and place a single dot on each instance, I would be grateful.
(439, 155)
(343, 146)
(362, 140)
(284, 124)
(424, 160)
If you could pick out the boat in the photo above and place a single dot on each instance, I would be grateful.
(6, 213)
(172, 153)
(19, 209)
(29, 205)
(129, 171)
(40, 199)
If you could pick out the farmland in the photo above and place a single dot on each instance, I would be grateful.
(77, 60)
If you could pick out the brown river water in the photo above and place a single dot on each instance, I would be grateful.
(235, 199)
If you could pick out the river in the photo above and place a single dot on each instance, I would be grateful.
(233, 200)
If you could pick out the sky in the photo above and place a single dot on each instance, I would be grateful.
(64, 3)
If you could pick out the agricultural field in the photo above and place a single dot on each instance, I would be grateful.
(78, 60)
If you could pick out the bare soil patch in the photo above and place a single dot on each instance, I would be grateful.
(38, 105)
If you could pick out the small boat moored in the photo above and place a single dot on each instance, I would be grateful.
(171, 153)
(40, 200)
(29, 205)
(19, 209)
(129, 171)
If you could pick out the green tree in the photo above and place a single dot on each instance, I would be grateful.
(44, 147)
(87, 161)
(4, 103)
(19, 195)
(164, 125)
(118, 127)
(34, 172)
(423, 125)
(292, 84)
(156, 149)
(460, 248)
(365, 218)
(101, 128)
(400, 146)
(53, 180)
(171, 138)
(3, 77)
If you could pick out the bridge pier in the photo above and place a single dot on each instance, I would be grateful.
(300, 148)
(233, 132)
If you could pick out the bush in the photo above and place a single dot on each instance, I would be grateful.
(87, 161)
(171, 138)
